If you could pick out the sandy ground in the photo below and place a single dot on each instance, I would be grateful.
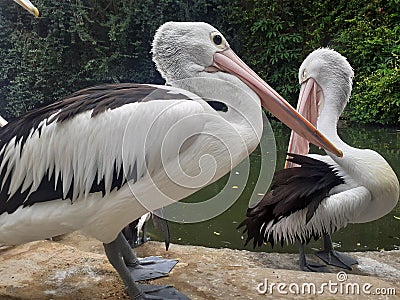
(75, 267)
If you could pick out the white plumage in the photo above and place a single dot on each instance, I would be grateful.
(360, 168)
(326, 192)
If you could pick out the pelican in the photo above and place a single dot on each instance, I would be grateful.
(104, 156)
(322, 194)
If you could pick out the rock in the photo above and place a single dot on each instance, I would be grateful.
(50, 270)
(76, 268)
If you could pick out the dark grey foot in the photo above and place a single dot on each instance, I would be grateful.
(333, 257)
(152, 267)
(310, 267)
(123, 259)
(337, 259)
(159, 292)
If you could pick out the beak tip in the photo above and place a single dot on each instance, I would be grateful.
(35, 12)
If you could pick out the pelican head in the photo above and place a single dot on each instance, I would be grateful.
(194, 49)
(326, 79)
(184, 49)
(29, 7)
(332, 73)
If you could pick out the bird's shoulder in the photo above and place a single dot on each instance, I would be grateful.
(98, 101)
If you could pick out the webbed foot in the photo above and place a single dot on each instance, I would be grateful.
(152, 267)
(337, 259)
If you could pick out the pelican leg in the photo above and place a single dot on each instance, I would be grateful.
(130, 269)
(151, 267)
(161, 224)
(308, 267)
(130, 233)
(115, 256)
(143, 238)
(333, 257)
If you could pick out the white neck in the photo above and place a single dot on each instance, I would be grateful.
(365, 167)
(244, 106)
(327, 124)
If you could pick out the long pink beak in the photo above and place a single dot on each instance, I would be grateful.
(229, 62)
(307, 105)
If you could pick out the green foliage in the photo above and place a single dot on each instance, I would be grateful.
(378, 97)
(80, 43)
(272, 41)
(370, 39)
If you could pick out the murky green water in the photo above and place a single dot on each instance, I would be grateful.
(221, 231)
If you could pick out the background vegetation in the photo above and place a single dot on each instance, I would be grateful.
(79, 43)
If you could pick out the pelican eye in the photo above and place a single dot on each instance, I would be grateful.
(304, 75)
(218, 40)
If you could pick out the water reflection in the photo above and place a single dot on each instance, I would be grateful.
(221, 231)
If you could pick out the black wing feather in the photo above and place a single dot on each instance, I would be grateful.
(293, 189)
(97, 99)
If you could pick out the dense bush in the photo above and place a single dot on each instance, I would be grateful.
(371, 41)
(271, 40)
(85, 42)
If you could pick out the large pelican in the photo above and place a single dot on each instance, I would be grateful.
(323, 193)
(106, 155)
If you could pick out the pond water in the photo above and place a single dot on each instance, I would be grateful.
(221, 231)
